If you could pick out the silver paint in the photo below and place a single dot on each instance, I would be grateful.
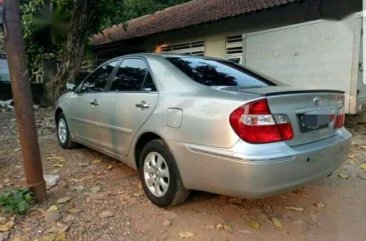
(209, 154)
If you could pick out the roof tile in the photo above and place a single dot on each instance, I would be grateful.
(184, 15)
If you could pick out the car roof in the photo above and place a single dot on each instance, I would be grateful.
(162, 55)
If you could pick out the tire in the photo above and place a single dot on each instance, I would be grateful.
(64, 139)
(162, 183)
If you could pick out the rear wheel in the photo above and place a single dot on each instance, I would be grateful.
(159, 175)
(63, 133)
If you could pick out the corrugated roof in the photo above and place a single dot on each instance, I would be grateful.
(184, 15)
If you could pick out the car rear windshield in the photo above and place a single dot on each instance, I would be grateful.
(212, 72)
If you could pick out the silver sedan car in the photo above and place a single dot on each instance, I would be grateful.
(196, 123)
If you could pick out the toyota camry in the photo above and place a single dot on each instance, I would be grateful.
(197, 123)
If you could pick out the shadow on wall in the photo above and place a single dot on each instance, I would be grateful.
(338, 9)
(6, 94)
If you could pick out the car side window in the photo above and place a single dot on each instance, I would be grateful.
(97, 81)
(131, 76)
(149, 83)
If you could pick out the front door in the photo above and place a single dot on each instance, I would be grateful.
(84, 103)
(128, 104)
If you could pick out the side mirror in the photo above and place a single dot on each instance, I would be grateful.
(70, 87)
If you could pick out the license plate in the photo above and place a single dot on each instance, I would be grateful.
(312, 122)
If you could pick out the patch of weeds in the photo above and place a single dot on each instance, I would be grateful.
(17, 201)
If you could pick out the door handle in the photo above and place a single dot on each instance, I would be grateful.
(143, 105)
(94, 102)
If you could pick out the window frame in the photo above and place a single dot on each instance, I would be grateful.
(118, 60)
(109, 85)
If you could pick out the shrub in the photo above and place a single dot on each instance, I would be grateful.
(16, 201)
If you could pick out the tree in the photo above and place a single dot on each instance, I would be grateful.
(87, 19)
(45, 22)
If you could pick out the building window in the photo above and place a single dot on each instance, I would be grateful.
(191, 48)
(4, 70)
(234, 44)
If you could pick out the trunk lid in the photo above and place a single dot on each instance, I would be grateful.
(311, 112)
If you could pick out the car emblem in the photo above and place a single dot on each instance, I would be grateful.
(317, 101)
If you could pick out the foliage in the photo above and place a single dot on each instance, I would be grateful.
(16, 201)
(33, 50)
(45, 25)
(64, 28)
(137, 8)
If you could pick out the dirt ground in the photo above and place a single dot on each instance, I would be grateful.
(102, 199)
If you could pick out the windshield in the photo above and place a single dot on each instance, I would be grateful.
(211, 72)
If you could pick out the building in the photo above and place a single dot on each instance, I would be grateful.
(304, 43)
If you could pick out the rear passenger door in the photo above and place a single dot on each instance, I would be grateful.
(131, 99)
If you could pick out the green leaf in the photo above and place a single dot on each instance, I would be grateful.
(16, 201)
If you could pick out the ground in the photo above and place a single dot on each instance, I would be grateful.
(101, 199)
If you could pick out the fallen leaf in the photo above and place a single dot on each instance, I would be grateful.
(58, 165)
(254, 224)
(106, 214)
(276, 222)
(228, 228)
(83, 164)
(110, 167)
(297, 209)
(51, 217)
(78, 188)
(62, 227)
(21, 238)
(53, 208)
(56, 158)
(186, 235)
(167, 223)
(343, 175)
(60, 237)
(74, 211)
(244, 231)
(220, 225)
(210, 226)
(95, 189)
(319, 204)
(63, 200)
(363, 166)
(7, 226)
(50, 237)
(75, 180)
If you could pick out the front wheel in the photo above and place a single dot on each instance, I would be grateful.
(63, 133)
(160, 176)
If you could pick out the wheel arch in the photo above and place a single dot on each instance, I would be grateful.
(58, 112)
(141, 142)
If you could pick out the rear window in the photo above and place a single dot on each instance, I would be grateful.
(218, 73)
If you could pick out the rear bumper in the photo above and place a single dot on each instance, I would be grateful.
(270, 170)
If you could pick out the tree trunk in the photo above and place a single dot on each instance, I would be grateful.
(81, 21)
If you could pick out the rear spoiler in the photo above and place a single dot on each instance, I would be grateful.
(290, 92)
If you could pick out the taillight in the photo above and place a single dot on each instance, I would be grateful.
(254, 123)
(341, 117)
